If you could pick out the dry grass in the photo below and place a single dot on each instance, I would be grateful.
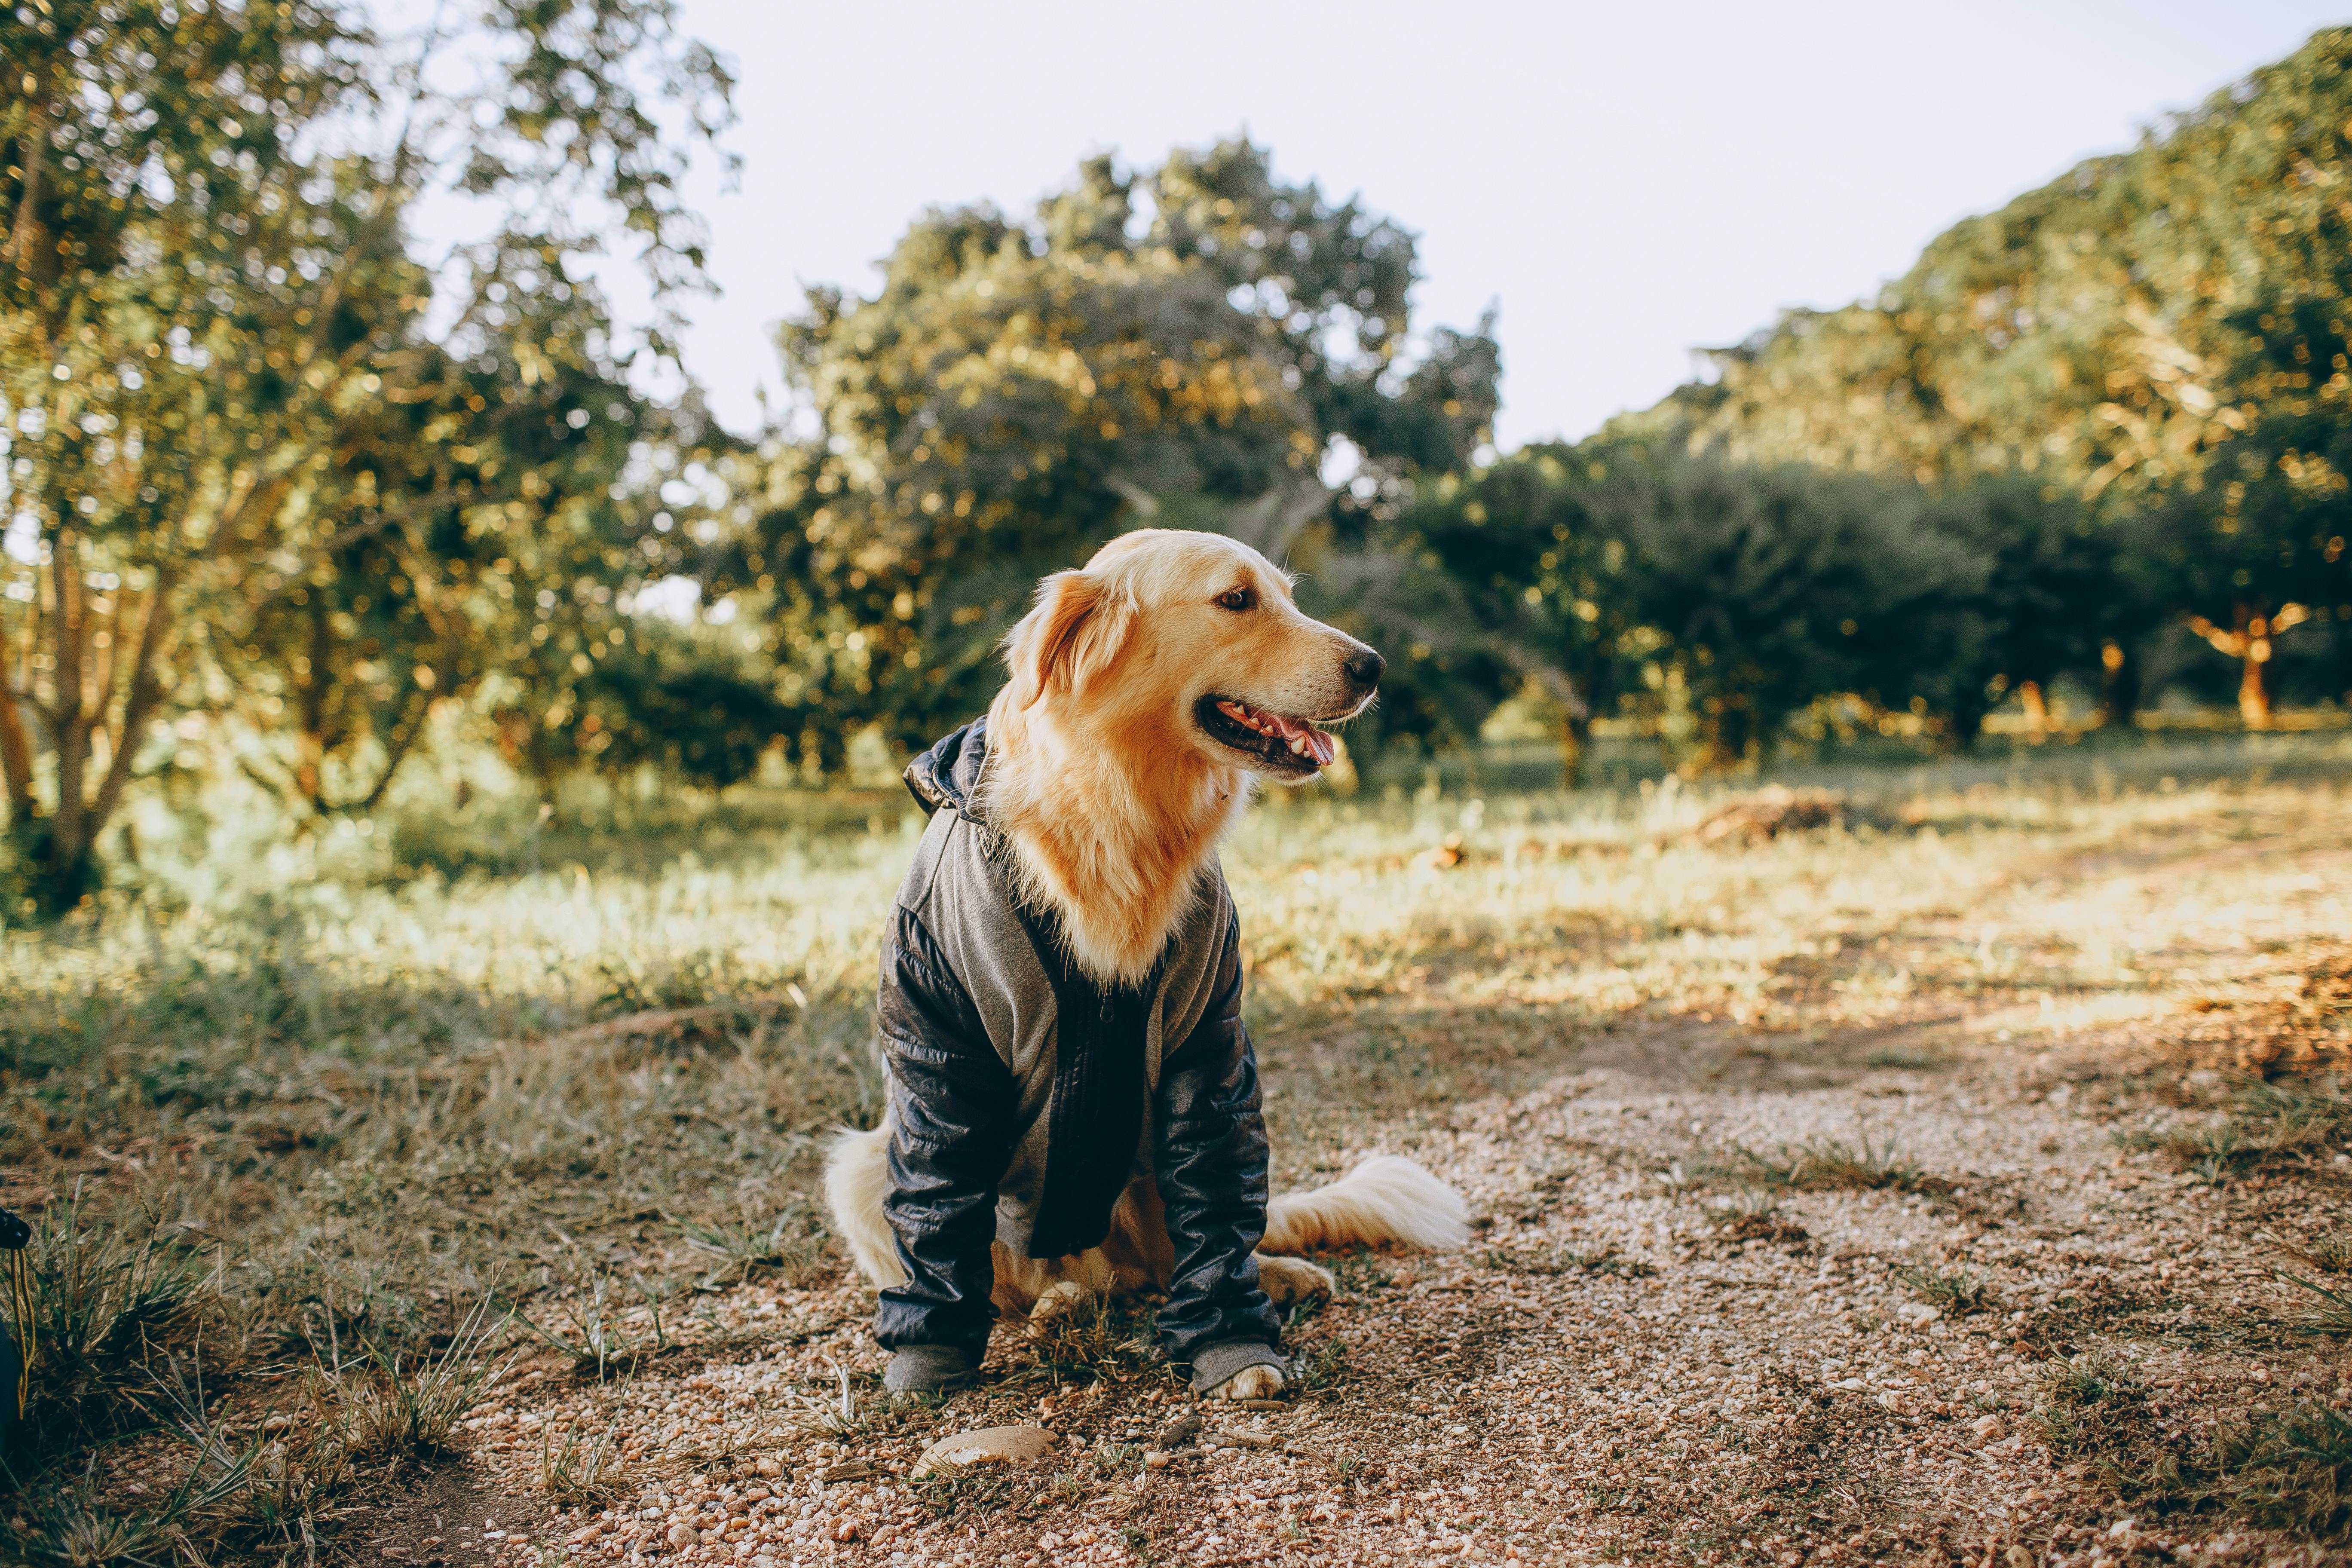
(359, 1106)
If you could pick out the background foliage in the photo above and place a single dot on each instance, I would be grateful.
(292, 494)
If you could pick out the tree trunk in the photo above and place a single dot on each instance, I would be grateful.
(1575, 747)
(311, 742)
(1963, 728)
(2037, 713)
(67, 842)
(2119, 686)
(60, 849)
(2253, 685)
(23, 235)
(2250, 643)
(16, 752)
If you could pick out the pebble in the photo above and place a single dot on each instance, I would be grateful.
(1012, 1445)
(684, 1535)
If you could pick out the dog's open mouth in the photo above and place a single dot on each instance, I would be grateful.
(1282, 742)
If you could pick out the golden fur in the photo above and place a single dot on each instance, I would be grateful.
(1113, 798)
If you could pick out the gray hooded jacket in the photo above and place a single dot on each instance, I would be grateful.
(1025, 1097)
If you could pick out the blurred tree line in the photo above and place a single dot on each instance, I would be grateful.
(284, 482)
(2158, 338)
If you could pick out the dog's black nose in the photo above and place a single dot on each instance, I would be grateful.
(1365, 668)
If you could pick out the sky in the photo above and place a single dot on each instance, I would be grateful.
(1626, 184)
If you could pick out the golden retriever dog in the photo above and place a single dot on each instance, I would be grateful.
(1150, 691)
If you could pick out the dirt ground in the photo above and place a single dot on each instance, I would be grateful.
(1998, 1269)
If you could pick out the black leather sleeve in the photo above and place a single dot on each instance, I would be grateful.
(1211, 1166)
(952, 1104)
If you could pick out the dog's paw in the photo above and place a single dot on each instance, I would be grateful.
(1058, 1301)
(1289, 1280)
(1250, 1382)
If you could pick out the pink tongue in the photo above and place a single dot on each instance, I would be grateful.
(1320, 746)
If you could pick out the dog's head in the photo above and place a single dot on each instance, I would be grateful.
(1193, 637)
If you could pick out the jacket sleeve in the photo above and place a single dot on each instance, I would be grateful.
(952, 1102)
(1211, 1167)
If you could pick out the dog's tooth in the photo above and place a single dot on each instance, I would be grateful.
(1299, 744)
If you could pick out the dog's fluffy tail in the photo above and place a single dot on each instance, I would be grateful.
(1385, 1199)
(857, 1181)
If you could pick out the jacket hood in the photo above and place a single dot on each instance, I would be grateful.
(948, 773)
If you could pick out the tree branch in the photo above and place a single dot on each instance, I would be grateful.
(348, 535)
(138, 703)
(397, 752)
(72, 720)
(33, 143)
(15, 753)
(2224, 641)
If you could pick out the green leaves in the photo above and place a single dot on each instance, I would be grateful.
(1178, 342)
(2160, 334)
(270, 464)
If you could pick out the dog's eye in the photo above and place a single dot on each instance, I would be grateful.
(1239, 599)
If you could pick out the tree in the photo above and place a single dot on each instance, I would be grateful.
(2051, 600)
(1489, 580)
(1757, 590)
(2161, 333)
(1715, 601)
(243, 471)
(1183, 342)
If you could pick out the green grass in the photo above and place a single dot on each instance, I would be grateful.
(2330, 1253)
(2330, 1305)
(1956, 1290)
(2291, 1469)
(1096, 1339)
(1827, 1164)
(2269, 1126)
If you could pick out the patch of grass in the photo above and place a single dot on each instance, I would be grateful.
(1359, 1271)
(400, 1406)
(1895, 1058)
(1826, 1165)
(1753, 1216)
(257, 1498)
(581, 1471)
(790, 1246)
(2330, 1254)
(1956, 1291)
(2270, 1125)
(109, 1306)
(1118, 1459)
(2286, 1468)
(2331, 1310)
(1606, 1260)
(2093, 1406)
(2290, 1469)
(77, 1527)
(980, 1491)
(1323, 1367)
(1097, 1339)
(600, 1347)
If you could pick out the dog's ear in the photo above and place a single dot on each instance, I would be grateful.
(1072, 634)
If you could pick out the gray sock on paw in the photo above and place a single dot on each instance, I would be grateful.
(927, 1369)
(1213, 1363)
